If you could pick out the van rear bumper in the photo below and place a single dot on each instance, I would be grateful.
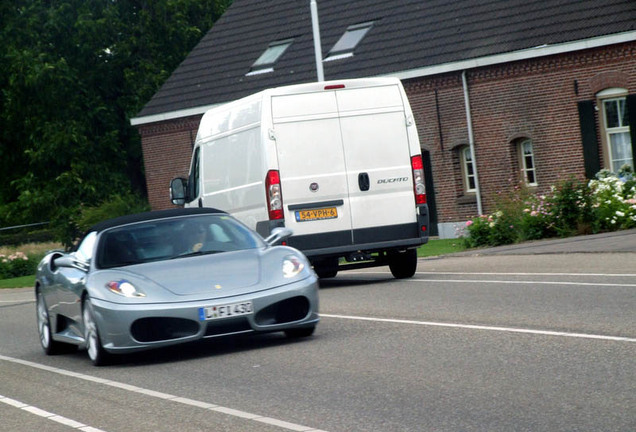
(368, 240)
(340, 243)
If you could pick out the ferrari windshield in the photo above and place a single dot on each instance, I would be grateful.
(177, 237)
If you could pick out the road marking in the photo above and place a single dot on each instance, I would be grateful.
(164, 396)
(533, 274)
(516, 281)
(482, 327)
(48, 415)
(524, 282)
(505, 273)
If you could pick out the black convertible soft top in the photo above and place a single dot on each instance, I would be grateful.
(151, 215)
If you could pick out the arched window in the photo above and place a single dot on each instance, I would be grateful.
(526, 161)
(617, 141)
(468, 169)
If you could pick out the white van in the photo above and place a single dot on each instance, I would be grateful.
(337, 162)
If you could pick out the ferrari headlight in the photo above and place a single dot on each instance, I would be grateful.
(292, 265)
(124, 288)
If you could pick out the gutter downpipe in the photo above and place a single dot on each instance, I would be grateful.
(471, 141)
(317, 46)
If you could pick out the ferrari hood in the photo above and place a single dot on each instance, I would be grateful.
(210, 276)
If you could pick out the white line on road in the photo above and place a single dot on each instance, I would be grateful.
(482, 327)
(516, 281)
(531, 274)
(512, 282)
(48, 415)
(164, 396)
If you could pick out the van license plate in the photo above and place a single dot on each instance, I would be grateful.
(316, 214)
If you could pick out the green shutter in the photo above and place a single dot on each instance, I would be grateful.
(587, 121)
(631, 117)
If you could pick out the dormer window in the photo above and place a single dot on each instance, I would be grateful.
(349, 41)
(265, 63)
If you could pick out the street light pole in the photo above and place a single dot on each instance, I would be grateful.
(317, 47)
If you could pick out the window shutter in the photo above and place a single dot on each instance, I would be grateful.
(631, 113)
(587, 121)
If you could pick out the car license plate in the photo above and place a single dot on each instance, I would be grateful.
(316, 214)
(225, 311)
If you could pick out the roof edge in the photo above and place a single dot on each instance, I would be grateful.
(525, 54)
(155, 118)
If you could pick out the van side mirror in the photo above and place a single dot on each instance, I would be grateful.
(178, 191)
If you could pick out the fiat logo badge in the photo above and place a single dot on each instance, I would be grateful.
(313, 187)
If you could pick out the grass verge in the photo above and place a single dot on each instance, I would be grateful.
(436, 247)
(19, 282)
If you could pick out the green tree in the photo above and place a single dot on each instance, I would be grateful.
(74, 73)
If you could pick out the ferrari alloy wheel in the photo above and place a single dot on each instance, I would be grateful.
(96, 352)
(44, 327)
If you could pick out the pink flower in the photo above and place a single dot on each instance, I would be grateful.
(469, 223)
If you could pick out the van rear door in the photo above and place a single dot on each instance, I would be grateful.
(312, 169)
(373, 123)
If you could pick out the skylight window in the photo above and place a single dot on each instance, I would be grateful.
(265, 63)
(349, 41)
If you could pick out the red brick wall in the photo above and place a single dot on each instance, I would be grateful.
(167, 149)
(533, 98)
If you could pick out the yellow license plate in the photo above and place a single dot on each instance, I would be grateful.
(316, 214)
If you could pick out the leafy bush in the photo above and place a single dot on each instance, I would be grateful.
(17, 261)
(536, 221)
(572, 207)
(116, 205)
(18, 237)
(74, 223)
(17, 264)
(615, 200)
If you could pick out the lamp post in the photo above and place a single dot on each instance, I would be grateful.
(317, 47)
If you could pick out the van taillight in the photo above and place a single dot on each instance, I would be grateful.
(419, 187)
(334, 86)
(274, 195)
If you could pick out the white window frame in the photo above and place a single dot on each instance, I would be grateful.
(468, 170)
(265, 62)
(348, 42)
(612, 161)
(528, 171)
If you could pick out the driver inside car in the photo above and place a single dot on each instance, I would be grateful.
(196, 236)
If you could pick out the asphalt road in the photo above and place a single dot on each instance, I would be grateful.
(499, 341)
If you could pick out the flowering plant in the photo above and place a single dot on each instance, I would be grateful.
(606, 203)
(614, 199)
(15, 265)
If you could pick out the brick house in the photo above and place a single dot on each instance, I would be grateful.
(538, 89)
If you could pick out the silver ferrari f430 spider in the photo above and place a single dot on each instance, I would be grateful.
(173, 276)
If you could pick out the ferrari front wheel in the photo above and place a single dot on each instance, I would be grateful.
(96, 352)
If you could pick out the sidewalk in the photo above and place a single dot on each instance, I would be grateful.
(614, 242)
